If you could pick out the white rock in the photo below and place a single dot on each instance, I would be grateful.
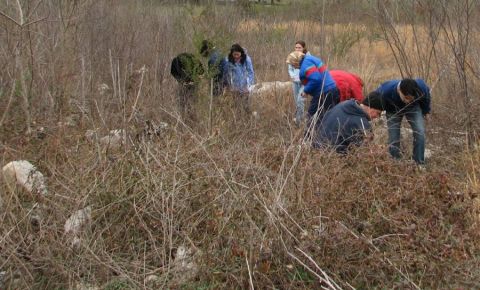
(103, 88)
(267, 87)
(114, 139)
(163, 125)
(78, 221)
(76, 242)
(184, 265)
(25, 175)
(142, 70)
(428, 153)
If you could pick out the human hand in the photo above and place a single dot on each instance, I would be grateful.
(426, 117)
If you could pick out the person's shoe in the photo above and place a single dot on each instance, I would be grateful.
(422, 167)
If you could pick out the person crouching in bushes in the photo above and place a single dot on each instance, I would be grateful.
(238, 76)
(317, 82)
(186, 69)
(348, 123)
(349, 85)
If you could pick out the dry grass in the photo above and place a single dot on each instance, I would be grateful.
(250, 202)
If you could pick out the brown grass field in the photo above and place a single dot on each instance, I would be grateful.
(226, 201)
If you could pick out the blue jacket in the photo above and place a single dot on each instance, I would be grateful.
(344, 125)
(237, 76)
(393, 102)
(216, 65)
(315, 76)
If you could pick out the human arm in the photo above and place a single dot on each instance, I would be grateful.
(250, 71)
(425, 102)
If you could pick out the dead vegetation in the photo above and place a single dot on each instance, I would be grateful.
(224, 201)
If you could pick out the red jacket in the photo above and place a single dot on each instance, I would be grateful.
(349, 85)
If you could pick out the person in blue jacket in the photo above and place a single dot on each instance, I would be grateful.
(409, 98)
(317, 82)
(216, 63)
(238, 75)
(348, 123)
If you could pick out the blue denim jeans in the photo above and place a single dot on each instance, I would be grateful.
(299, 102)
(415, 119)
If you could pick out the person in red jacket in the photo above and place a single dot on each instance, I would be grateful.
(349, 85)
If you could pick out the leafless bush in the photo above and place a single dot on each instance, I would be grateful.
(228, 200)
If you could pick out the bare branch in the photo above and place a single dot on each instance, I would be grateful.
(10, 18)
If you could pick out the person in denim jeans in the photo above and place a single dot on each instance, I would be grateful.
(409, 98)
(297, 85)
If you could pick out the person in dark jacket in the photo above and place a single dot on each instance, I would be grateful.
(408, 98)
(186, 69)
(348, 123)
(216, 64)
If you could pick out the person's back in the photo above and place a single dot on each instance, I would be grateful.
(315, 76)
(319, 84)
(215, 64)
(349, 85)
(344, 125)
(186, 68)
(394, 103)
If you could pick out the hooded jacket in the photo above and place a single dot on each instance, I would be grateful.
(344, 125)
(349, 85)
(393, 102)
(315, 76)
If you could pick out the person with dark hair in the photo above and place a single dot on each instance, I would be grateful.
(349, 85)
(410, 98)
(216, 64)
(317, 82)
(300, 45)
(238, 75)
(348, 123)
(294, 74)
(186, 69)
